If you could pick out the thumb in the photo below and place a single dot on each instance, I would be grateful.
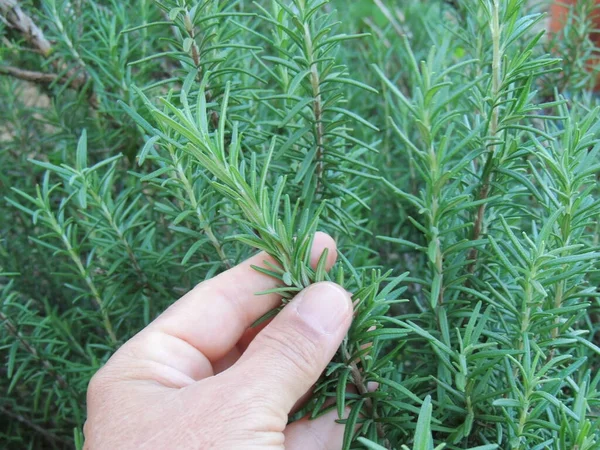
(287, 357)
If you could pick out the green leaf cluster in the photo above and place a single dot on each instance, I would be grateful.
(450, 148)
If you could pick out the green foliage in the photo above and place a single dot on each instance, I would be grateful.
(147, 146)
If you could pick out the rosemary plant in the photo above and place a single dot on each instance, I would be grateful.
(450, 148)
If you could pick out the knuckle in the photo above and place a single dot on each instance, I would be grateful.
(249, 410)
(98, 388)
(96, 385)
(297, 350)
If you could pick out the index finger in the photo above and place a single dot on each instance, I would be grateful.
(216, 313)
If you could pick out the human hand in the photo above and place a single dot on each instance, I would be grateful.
(199, 378)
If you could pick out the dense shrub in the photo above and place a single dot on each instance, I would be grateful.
(451, 148)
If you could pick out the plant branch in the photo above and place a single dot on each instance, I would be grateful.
(195, 54)
(85, 276)
(317, 106)
(29, 75)
(50, 437)
(189, 190)
(12, 14)
(108, 216)
(13, 331)
(488, 172)
(41, 77)
(361, 386)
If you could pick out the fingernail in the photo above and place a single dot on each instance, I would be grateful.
(324, 306)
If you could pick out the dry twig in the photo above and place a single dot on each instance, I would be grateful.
(14, 17)
(12, 14)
